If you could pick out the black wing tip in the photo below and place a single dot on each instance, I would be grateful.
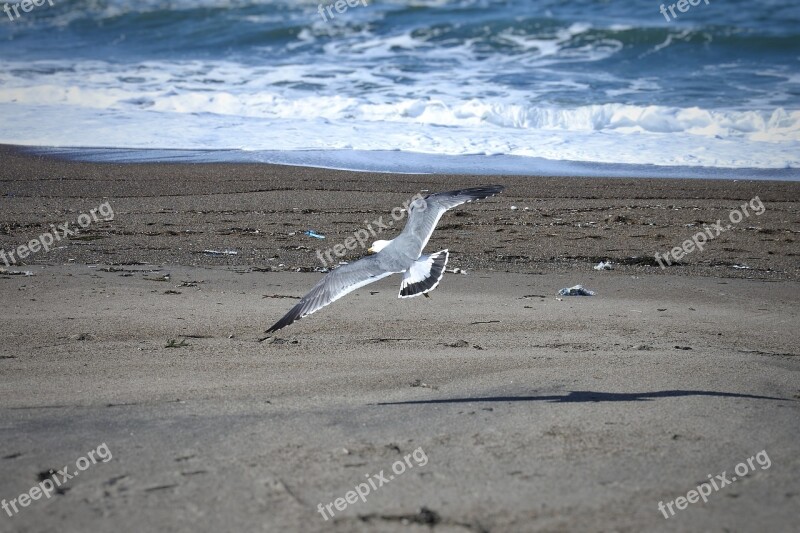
(292, 316)
(488, 190)
(282, 323)
(275, 327)
(429, 283)
(481, 193)
(475, 193)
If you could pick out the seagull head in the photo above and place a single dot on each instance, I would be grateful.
(377, 246)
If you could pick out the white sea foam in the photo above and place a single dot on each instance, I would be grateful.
(225, 105)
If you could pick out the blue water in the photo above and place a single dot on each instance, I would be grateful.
(581, 81)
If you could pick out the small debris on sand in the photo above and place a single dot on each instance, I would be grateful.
(577, 290)
(172, 343)
(220, 252)
(16, 272)
(420, 383)
(604, 265)
(276, 340)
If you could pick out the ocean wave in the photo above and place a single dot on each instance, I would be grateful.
(131, 92)
(103, 127)
(582, 80)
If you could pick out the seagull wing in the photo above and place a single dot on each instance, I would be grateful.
(422, 219)
(334, 285)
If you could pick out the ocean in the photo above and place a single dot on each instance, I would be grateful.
(412, 85)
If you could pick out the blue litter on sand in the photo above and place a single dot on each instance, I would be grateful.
(312, 233)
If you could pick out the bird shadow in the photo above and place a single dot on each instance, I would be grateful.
(592, 397)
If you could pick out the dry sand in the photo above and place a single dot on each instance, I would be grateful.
(535, 414)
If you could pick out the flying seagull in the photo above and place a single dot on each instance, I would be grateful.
(403, 254)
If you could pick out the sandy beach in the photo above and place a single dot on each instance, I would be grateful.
(533, 412)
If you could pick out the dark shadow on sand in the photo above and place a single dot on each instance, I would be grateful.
(592, 397)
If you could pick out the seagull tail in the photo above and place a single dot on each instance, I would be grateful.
(424, 275)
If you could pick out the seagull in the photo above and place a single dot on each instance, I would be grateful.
(401, 255)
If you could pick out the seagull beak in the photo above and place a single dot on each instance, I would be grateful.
(370, 250)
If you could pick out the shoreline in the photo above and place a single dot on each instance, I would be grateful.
(397, 162)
